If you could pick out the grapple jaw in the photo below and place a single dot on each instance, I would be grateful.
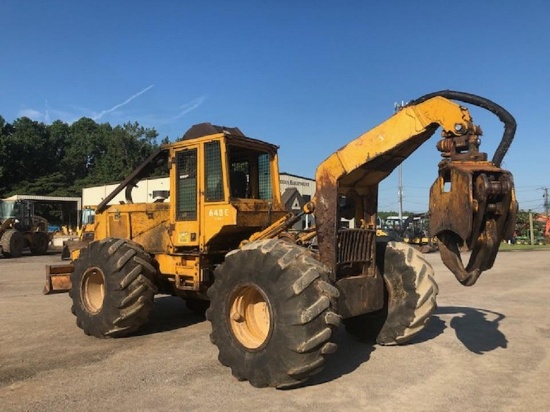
(473, 206)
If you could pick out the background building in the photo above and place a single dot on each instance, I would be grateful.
(296, 191)
(142, 193)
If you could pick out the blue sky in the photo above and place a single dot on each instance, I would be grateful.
(307, 75)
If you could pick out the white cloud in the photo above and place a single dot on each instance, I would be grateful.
(125, 102)
(47, 112)
(74, 113)
(173, 116)
(192, 105)
(32, 114)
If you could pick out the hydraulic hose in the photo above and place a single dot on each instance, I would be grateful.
(503, 115)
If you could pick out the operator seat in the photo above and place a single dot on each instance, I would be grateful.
(238, 182)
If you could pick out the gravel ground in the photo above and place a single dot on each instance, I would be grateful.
(485, 349)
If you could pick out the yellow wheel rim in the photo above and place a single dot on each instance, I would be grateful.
(93, 289)
(249, 317)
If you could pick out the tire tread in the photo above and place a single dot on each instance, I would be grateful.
(305, 318)
(129, 288)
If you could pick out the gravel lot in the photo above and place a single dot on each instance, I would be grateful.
(486, 349)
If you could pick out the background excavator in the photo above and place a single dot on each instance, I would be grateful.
(274, 298)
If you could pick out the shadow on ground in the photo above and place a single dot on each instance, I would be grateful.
(350, 355)
(169, 313)
(477, 329)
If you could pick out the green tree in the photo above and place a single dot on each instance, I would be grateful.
(4, 157)
(522, 223)
(125, 149)
(86, 144)
(60, 159)
(28, 155)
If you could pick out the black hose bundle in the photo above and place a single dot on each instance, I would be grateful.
(503, 115)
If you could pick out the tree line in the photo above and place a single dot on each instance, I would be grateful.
(60, 159)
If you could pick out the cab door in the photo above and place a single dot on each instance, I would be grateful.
(186, 200)
(218, 213)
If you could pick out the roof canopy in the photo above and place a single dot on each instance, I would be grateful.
(78, 200)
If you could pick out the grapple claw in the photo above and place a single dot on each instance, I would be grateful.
(449, 248)
(472, 206)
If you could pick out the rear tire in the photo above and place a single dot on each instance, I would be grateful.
(12, 243)
(272, 313)
(112, 288)
(40, 242)
(411, 293)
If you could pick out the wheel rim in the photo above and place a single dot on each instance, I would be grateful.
(249, 317)
(93, 290)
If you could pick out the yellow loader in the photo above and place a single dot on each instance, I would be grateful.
(20, 229)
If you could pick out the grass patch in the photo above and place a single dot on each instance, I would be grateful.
(506, 247)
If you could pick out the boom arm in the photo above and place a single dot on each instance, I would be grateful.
(355, 170)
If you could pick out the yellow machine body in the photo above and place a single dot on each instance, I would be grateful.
(209, 212)
(223, 188)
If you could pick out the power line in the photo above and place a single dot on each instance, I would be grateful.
(530, 201)
(526, 189)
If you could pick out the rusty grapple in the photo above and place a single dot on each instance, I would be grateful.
(472, 202)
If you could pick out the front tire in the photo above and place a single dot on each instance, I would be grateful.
(112, 288)
(12, 243)
(411, 293)
(272, 313)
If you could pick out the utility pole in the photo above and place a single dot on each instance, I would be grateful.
(532, 233)
(546, 201)
(400, 193)
(546, 207)
(396, 108)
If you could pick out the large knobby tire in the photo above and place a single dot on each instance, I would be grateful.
(411, 293)
(272, 313)
(40, 242)
(112, 288)
(12, 243)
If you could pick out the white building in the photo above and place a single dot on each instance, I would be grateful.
(296, 192)
(143, 192)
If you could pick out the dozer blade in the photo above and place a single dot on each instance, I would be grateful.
(472, 205)
(58, 279)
